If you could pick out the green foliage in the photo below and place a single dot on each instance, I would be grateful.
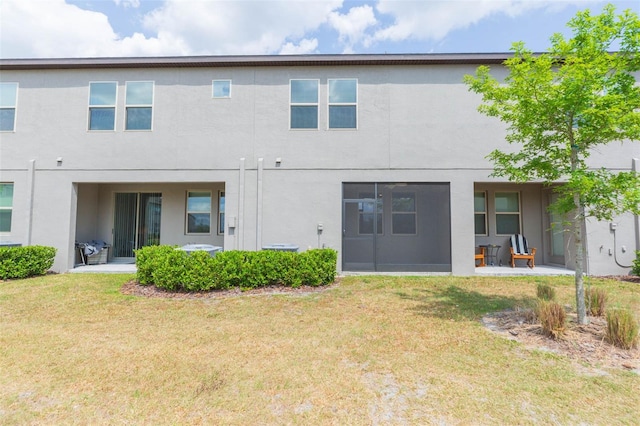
(23, 262)
(622, 328)
(635, 270)
(596, 301)
(172, 269)
(552, 317)
(545, 292)
(562, 105)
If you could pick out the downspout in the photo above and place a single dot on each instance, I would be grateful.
(259, 204)
(240, 224)
(31, 176)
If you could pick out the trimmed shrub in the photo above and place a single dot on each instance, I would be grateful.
(147, 259)
(172, 269)
(552, 317)
(545, 292)
(635, 269)
(596, 301)
(23, 262)
(622, 328)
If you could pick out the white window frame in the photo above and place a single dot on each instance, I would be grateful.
(114, 106)
(8, 208)
(316, 104)
(14, 106)
(187, 211)
(127, 105)
(414, 213)
(330, 104)
(484, 213)
(213, 91)
(518, 213)
(221, 210)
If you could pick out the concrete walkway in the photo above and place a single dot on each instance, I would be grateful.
(130, 268)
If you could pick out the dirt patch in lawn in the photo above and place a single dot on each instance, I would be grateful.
(135, 289)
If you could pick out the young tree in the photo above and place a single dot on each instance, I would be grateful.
(562, 104)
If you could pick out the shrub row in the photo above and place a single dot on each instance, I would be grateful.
(23, 262)
(171, 269)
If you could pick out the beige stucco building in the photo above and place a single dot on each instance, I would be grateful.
(381, 157)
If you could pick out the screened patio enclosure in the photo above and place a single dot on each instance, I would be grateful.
(396, 227)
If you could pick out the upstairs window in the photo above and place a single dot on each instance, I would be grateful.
(8, 103)
(139, 105)
(102, 105)
(304, 104)
(507, 213)
(480, 212)
(343, 103)
(221, 89)
(198, 212)
(6, 206)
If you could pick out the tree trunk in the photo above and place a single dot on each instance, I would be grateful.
(578, 223)
(579, 277)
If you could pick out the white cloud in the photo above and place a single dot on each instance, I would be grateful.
(304, 47)
(435, 19)
(52, 28)
(127, 3)
(352, 27)
(238, 27)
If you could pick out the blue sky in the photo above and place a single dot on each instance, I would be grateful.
(98, 28)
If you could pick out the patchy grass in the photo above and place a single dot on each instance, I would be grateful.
(373, 350)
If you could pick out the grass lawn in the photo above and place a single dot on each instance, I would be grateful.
(371, 350)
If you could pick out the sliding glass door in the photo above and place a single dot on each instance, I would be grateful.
(136, 222)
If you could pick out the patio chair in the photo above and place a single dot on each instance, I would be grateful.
(520, 250)
(479, 256)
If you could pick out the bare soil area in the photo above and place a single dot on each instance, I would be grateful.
(135, 289)
(584, 344)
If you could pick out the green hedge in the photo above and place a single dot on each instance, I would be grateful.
(23, 262)
(635, 270)
(171, 269)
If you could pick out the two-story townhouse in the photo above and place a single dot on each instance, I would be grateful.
(381, 157)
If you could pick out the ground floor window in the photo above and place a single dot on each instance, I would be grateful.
(198, 212)
(507, 205)
(6, 206)
(221, 206)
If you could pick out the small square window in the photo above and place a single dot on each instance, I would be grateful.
(221, 89)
